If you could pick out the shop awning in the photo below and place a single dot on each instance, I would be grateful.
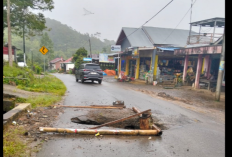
(167, 48)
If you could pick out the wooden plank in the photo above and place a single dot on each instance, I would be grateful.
(120, 120)
(153, 126)
(107, 107)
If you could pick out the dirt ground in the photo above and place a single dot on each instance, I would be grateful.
(199, 100)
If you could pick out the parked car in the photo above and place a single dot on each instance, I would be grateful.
(89, 71)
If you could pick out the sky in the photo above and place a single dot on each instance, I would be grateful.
(109, 16)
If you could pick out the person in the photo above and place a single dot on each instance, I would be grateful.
(116, 70)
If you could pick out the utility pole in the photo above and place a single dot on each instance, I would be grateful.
(221, 70)
(90, 49)
(9, 34)
(24, 56)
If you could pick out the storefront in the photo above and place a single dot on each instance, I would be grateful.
(144, 67)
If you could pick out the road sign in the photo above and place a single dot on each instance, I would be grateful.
(87, 59)
(115, 47)
(43, 50)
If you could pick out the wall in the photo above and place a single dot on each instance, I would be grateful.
(57, 65)
(125, 44)
(5, 57)
(69, 66)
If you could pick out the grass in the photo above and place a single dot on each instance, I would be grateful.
(12, 144)
(48, 84)
(43, 100)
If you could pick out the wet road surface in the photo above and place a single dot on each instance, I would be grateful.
(189, 134)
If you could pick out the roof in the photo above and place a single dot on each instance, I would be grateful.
(168, 36)
(167, 48)
(68, 60)
(210, 22)
(136, 39)
(13, 47)
(219, 41)
(56, 60)
(149, 36)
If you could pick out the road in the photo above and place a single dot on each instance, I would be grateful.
(189, 134)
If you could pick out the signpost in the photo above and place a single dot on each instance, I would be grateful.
(43, 50)
(118, 49)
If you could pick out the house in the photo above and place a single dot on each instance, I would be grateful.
(144, 49)
(6, 54)
(205, 49)
(55, 63)
(67, 64)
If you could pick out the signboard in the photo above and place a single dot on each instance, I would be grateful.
(105, 58)
(135, 53)
(43, 50)
(116, 48)
(221, 67)
(87, 59)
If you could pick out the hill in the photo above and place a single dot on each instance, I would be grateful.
(66, 41)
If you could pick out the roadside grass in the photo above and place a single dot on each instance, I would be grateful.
(12, 144)
(47, 84)
(43, 100)
(52, 89)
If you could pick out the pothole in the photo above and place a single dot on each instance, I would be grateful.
(102, 116)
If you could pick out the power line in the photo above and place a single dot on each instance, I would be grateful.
(147, 20)
(180, 21)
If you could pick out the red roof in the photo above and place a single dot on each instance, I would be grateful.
(56, 60)
(68, 60)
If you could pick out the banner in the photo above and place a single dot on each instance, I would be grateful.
(105, 58)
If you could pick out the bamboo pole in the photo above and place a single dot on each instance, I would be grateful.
(101, 107)
(153, 126)
(120, 120)
(101, 132)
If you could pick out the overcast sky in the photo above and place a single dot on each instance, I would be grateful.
(111, 15)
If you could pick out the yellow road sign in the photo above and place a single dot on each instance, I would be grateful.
(43, 50)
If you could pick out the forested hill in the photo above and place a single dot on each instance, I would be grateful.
(65, 38)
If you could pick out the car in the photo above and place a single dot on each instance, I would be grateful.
(89, 71)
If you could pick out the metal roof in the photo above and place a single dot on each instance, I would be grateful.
(210, 22)
(167, 48)
(56, 60)
(138, 38)
(168, 36)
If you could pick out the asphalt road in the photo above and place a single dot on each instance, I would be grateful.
(188, 134)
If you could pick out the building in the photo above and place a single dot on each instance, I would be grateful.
(204, 49)
(143, 48)
(6, 54)
(55, 63)
(67, 65)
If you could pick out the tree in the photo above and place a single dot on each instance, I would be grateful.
(78, 57)
(47, 42)
(21, 16)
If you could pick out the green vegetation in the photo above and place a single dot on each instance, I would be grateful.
(78, 57)
(20, 15)
(12, 144)
(66, 41)
(47, 84)
(43, 100)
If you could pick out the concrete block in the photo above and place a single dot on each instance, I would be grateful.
(15, 113)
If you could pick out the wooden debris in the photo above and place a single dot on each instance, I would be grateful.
(101, 107)
(120, 120)
(101, 132)
(153, 126)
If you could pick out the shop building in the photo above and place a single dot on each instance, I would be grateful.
(204, 50)
(146, 47)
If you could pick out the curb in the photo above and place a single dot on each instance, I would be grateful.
(15, 113)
